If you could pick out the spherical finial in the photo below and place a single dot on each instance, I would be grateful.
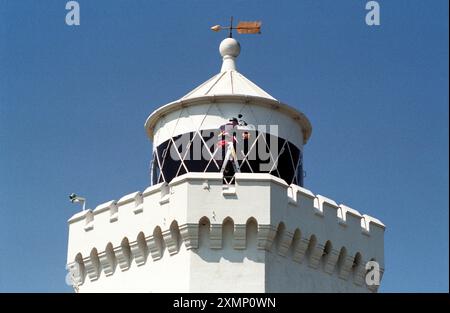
(230, 47)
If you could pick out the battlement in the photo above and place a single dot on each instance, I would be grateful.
(289, 222)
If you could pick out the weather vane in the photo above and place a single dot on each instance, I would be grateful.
(242, 28)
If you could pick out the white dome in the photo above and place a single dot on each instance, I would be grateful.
(230, 46)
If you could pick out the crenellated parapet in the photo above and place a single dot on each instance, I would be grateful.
(196, 211)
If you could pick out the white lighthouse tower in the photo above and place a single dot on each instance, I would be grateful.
(226, 210)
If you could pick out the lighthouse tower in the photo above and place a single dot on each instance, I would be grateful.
(226, 210)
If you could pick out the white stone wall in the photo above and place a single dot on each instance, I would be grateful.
(192, 235)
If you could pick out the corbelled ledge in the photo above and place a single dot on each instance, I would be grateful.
(303, 225)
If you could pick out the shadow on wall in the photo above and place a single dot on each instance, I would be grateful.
(219, 242)
(224, 241)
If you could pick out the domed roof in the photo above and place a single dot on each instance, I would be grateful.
(229, 81)
(228, 86)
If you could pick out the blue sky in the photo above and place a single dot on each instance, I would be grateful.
(73, 101)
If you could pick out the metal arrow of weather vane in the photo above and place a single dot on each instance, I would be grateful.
(242, 28)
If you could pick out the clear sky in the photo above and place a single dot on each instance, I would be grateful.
(73, 102)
